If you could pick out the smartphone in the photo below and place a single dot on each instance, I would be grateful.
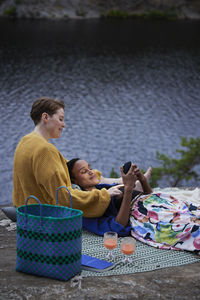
(126, 167)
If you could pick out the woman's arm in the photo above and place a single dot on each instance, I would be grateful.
(129, 182)
(144, 182)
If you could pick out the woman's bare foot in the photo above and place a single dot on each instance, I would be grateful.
(148, 172)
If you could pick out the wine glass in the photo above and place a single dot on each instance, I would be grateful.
(110, 242)
(128, 248)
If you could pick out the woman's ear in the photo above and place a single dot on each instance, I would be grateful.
(44, 117)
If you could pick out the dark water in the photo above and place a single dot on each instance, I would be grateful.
(130, 88)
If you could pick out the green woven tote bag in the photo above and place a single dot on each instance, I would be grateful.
(49, 239)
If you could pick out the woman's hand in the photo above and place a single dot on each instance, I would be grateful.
(143, 180)
(139, 174)
(114, 191)
(130, 178)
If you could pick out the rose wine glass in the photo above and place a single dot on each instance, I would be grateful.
(128, 248)
(110, 242)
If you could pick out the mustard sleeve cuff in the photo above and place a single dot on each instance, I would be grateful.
(98, 174)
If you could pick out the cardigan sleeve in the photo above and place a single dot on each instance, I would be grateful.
(98, 174)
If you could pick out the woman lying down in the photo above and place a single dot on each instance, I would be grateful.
(157, 219)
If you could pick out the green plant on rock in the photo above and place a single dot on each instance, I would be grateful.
(175, 170)
(114, 174)
(168, 14)
(10, 12)
(116, 13)
(80, 12)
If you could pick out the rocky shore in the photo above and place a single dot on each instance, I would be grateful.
(64, 9)
(168, 283)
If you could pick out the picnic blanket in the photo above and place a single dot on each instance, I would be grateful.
(145, 258)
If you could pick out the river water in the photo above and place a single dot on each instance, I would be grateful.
(130, 88)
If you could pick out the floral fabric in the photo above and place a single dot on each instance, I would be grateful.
(162, 221)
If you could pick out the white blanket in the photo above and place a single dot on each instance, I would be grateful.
(189, 196)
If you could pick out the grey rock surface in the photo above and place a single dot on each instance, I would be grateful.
(169, 283)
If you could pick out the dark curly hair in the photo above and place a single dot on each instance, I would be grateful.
(70, 165)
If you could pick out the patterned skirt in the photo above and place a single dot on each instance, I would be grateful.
(164, 222)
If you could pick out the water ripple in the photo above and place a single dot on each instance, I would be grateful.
(119, 106)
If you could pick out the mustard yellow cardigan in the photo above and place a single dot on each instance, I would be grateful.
(39, 169)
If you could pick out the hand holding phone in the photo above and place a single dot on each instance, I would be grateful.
(126, 167)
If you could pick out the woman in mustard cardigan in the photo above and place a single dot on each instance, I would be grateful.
(39, 168)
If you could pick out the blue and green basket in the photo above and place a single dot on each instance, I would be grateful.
(49, 239)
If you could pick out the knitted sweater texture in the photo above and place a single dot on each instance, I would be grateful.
(39, 169)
